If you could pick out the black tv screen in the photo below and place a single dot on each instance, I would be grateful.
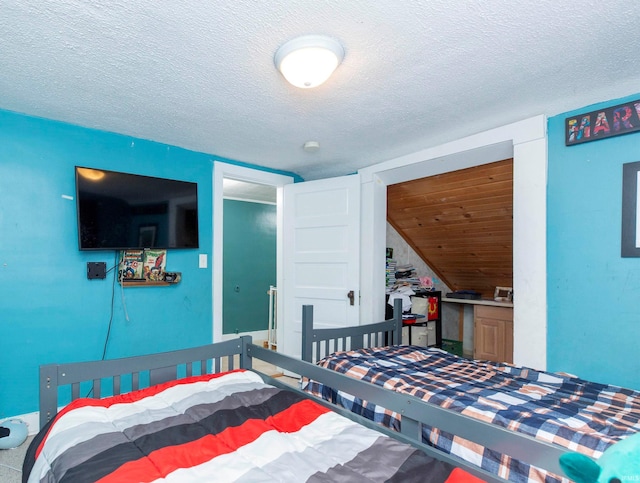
(121, 211)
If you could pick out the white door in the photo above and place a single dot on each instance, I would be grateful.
(321, 259)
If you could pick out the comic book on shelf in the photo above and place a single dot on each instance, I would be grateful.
(131, 265)
(155, 262)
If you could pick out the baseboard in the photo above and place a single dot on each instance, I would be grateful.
(257, 336)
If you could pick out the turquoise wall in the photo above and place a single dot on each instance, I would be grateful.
(593, 293)
(249, 265)
(49, 311)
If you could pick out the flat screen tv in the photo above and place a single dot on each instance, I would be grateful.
(121, 211)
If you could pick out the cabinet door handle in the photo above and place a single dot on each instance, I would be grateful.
(352, 297)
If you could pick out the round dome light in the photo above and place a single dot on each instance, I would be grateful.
(308, 61)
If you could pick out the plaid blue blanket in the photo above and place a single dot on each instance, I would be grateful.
(557, 408)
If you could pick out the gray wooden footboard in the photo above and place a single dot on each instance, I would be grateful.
(319, 343)
(157, 368)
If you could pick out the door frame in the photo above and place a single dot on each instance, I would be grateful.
(526, 142)
(222, 170)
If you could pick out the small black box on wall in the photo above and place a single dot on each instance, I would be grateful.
(96, 270)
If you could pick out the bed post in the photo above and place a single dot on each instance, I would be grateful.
(245, 359)
(48, 393)
(397, 317)
(307, 333)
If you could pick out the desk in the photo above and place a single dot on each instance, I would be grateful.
(463, 321)
(477, 302)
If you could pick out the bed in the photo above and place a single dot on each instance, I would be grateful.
(204, 414)
(556, 409)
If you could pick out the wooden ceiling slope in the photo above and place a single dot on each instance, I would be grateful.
(461, 224)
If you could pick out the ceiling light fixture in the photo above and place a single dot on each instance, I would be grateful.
(308, 61)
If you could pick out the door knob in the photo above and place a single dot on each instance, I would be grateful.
(351, 296)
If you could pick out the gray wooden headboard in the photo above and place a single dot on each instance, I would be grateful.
(319, 343)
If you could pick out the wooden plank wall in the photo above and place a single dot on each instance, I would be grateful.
(461, 224)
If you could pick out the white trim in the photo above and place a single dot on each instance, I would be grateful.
(249, 200)
(256, 336)
(530, 254)
(220, 171)
(526, 141)
(482, 145)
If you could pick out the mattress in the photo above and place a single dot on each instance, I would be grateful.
(557, 408)
(223, 427)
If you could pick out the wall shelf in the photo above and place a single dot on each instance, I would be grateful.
(147, 284)
(151, 283)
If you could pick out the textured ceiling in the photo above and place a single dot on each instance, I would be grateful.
(200, 74)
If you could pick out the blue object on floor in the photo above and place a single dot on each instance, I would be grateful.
(12, 433)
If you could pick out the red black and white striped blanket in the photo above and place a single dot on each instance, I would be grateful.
(580, 415)
(224, 427)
